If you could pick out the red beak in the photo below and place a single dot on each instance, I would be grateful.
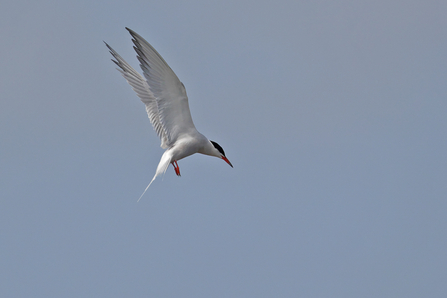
(228, 162)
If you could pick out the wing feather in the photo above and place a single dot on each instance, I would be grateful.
(141, 87)
(169, 92)
(160, 90)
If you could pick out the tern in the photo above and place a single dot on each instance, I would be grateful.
(166, 105)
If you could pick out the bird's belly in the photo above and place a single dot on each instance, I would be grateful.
(185, 149)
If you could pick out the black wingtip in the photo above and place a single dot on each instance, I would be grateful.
(107, 45)
(130, 31)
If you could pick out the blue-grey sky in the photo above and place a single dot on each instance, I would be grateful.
(333, 113)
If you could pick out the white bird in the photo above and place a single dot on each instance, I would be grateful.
(166, 105)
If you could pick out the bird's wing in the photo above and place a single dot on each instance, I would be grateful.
(140, 86)
(170, 94)
(160, 90)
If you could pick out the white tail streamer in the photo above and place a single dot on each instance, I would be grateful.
(161, 169)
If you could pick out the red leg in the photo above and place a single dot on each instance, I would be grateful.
(176, 168)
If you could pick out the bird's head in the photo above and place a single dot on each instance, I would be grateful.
(219, 152)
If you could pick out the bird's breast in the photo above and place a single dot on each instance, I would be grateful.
(185, 147)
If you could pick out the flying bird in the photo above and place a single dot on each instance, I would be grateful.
(166, 105)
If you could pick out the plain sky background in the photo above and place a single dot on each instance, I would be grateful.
(333, 113)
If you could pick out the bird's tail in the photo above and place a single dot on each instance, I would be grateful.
(161, 168)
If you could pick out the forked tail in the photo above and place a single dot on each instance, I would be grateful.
(161, 169)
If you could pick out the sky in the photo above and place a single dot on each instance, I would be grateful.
(333, 114)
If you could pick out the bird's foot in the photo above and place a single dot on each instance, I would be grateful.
(176, 167)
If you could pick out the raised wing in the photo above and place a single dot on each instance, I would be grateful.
(140, 86)
(160, 90)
